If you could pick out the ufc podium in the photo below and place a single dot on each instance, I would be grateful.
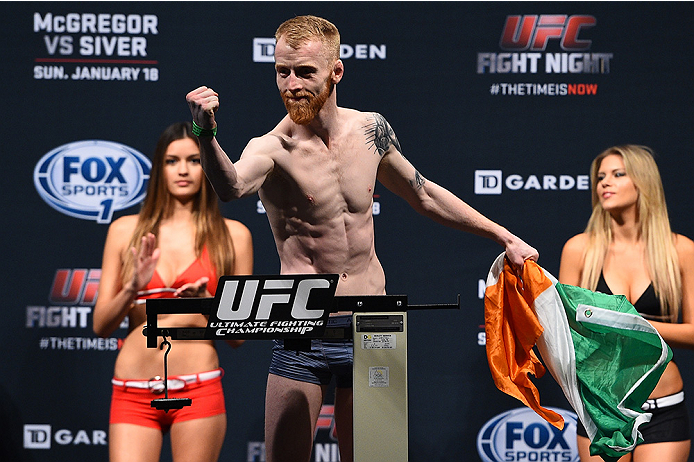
(297, 308)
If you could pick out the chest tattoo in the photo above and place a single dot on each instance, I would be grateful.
(380, 136)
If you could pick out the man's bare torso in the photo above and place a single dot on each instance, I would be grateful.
(319, 201)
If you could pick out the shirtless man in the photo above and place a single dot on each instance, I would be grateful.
(315, 173)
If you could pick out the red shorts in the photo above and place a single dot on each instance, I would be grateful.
(133, 405)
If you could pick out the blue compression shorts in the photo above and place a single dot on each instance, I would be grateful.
(326, 359)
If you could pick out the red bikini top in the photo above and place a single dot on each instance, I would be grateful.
(201, 267)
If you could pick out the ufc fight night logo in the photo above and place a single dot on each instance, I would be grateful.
(285, 306)
(533, 32)
(549, 43)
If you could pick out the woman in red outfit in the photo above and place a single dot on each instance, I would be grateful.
(177, 246)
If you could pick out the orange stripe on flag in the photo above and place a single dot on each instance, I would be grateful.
(512, 329)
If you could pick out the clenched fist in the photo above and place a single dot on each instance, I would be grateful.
(203, 103)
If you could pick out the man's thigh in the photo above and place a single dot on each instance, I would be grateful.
(291, 412)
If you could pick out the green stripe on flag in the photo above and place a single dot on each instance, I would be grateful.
(619, 360)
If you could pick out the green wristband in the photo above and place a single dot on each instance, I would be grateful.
(199, 131)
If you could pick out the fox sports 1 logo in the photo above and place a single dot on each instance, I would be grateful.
(522, 435)
(92, 179)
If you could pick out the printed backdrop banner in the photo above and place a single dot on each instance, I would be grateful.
(503, 103)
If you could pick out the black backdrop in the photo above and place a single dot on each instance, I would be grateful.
(530, 134)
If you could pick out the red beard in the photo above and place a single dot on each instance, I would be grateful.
(303, 111)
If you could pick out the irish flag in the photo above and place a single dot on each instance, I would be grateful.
(606, 358)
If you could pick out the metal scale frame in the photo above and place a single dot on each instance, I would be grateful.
(379, 331)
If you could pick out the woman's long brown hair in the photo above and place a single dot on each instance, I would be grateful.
(210, 228)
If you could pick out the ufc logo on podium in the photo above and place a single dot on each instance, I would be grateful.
(532, 32)
(284, 306)
(237, 302)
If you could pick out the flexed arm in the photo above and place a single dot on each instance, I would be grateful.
(229, 180)
(435, 202)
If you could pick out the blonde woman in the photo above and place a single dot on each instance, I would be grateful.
(628, 248)
(177, 246)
